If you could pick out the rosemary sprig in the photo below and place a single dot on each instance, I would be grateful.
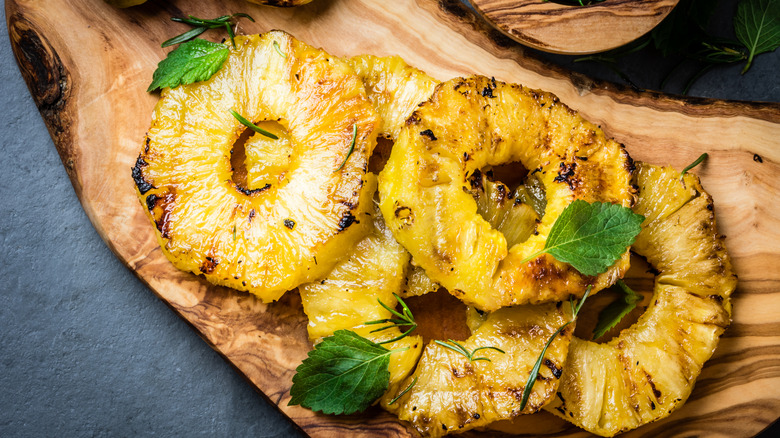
(201, 25)
(403, 392)
(351, 148)
(252, 126)
(458, 348)
(278, 50)
(404, 319)
(535, 370)
(698, 161)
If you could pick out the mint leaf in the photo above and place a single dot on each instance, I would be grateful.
(617, 310)
(193, 61)
(757, 25)
(591, 237)
(344, 374)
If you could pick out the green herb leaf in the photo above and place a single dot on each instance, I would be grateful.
(351, 148)
(252, 126)
(344, 374)
(529, 384)
(757, 25)
(401, 394)
(186, 36)
(617, 310)
(405, 319)
(459, 348)
(201, 25)
(278, 50)
(193, 61)
(698, 161)
(591, 237)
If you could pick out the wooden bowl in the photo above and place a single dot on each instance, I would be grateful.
(571, 30)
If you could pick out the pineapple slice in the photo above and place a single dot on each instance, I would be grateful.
(453, 394)
(349, 296)
(649, 370)
(395, 88)
(471, 123)
(292, 230)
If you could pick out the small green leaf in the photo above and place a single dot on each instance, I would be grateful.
(591, 237)
(344, 374)
(186, 36)
(698, 161)
(279, 50)
(617, 310)
(402, 320)
(252, 126)
(460, 349)
(193, 61)
(401, 394)
(757, 25)
(529, 384)
(351, 148)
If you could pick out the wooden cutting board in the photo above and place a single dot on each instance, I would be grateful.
(88, 65)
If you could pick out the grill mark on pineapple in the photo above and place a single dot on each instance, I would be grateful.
(138, 175)
(249, 192)
(428, 133)
(656, 392)
(346, 220)
(404, 215)
(556, 370)
(567, 173)
(161, 208)
(209, 264)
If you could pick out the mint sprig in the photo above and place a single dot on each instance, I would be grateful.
(591, 237)
(617, 310)
(344, 374)
(757, 26)
(193, 61)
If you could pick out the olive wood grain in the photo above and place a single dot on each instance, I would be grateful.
(569, 29)
(88, 65)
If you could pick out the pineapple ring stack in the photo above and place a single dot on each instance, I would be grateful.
(649, 370)
(288, 232)
(470, 123)
(475, 393)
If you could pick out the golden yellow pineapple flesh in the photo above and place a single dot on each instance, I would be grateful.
(649, 369)
(295, 227)
(471, 123)
(395, 88)
(453, 394)
(349, 296)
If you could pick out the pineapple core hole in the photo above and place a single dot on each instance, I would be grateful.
(510, 174)
(439, 315)
(640, 279)
(259, 161)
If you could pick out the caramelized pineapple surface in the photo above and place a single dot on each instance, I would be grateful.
(471, 123)
(454, 394)
(649, 369)
(296, 226)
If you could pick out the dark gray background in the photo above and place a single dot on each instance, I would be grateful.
(87, 350)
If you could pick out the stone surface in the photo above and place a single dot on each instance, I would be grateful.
(87, 350)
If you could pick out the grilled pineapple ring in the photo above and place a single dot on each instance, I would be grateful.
(649, 370)
(273, 238)
(476, 122)
(453, 394)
